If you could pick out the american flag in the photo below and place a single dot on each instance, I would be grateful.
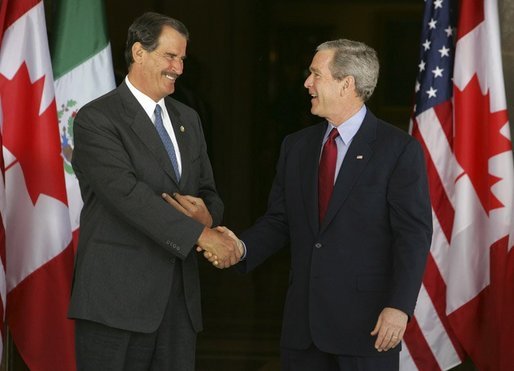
(466, 303)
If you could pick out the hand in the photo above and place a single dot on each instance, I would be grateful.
(232, 235)
(194, 207)
(213, 258)
(222, 248)
(390, 328)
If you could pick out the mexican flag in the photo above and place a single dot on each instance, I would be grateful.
(82, 67)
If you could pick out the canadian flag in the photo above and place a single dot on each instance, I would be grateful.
(466, 303)
(39, 253)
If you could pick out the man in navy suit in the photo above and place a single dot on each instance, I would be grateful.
(351, 199)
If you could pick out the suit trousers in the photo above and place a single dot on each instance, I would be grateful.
(171, 347)
(314, 359)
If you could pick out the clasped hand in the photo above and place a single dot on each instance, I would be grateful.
(220, 245)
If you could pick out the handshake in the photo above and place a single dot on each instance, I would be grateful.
(220, 245)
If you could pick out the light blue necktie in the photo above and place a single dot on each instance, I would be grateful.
(166, 140)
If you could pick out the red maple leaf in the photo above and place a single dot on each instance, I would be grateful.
(31, 137)
(478, 138)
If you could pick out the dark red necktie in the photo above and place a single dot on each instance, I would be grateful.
(327, 171)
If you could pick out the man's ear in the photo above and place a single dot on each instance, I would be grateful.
(349, 82)
(137, 52)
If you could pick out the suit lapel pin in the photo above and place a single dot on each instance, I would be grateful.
(360, 157)
(182, 129)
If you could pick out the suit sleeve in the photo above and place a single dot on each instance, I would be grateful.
(411, 223)
(112, 189)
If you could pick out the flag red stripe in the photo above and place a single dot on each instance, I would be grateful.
(419, 349)
(36, 313)
(445, 213)
(436, 289)
(444, 113)
(440, 202)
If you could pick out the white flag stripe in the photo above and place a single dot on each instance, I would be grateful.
(31, 51)
(95, 78)
(439, 149)
(92, 83)
(434, 331)
(440, 249)
(406, 361)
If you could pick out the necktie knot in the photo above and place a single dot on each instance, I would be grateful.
(333, 134)
(157, 112)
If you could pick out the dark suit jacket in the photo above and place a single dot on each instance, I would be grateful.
(370, 250)
(130, 238)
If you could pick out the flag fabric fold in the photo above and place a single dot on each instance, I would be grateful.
(466, 303)
(3, 293)
(39, 252)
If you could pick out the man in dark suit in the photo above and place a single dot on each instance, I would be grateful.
(351, 199)
(136, 294)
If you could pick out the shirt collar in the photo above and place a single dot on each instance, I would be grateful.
(144, 100)
(349, 128)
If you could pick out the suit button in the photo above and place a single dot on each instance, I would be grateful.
(318, 245)
(172, 260)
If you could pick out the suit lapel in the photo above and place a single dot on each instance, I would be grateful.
(355, 161)
(308, 168)
(145, 130)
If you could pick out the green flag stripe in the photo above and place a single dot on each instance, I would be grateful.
(80, 32)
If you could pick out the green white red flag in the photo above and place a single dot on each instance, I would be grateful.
(82, 67)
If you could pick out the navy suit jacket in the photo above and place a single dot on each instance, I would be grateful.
(130, 238)
(370, 250)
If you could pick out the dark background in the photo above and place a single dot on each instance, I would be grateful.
(247, 61)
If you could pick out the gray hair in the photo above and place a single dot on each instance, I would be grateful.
(353, 58)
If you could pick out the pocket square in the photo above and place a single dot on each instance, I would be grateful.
(359, 157)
